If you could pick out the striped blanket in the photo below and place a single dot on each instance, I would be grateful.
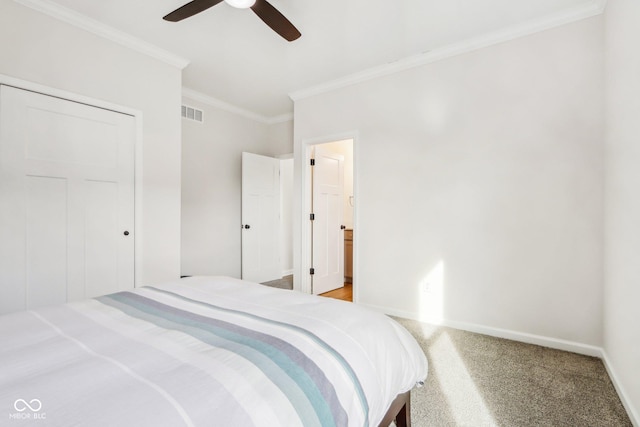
(204, 351)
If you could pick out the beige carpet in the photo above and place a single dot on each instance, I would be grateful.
(284, 283)
(477, 380)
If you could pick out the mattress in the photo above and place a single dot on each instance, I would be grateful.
(212, 351)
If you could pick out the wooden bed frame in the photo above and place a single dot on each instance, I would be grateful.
(400, 411)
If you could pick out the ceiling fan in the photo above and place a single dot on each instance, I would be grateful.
(262, 8)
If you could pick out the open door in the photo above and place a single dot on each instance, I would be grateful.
(260, 218)
(328, 229)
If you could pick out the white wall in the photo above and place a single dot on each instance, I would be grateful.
(489, 163)
(211, 185)
(39, 49)
(280, 137)
(622, 203)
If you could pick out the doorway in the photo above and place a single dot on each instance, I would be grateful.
(332, 219)
(267, 219)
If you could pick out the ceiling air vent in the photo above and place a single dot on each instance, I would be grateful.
(191, 113)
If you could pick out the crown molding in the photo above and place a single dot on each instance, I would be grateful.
(214, 102)
(282, 118)
(98, 28)
(588, 10)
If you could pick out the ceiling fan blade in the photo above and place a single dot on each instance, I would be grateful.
(275, 20)
(190, 9)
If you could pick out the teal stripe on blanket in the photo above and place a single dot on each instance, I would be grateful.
(298, 377)
(345, 365)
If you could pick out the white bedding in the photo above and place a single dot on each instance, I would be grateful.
(212, 351)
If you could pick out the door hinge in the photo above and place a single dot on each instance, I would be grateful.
(312, 217)
(313, 162)
(312, 271)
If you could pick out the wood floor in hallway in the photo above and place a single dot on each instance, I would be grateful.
(345, 293)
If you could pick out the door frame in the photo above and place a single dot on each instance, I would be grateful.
(302, 278)
(289, 242)
(137, 176)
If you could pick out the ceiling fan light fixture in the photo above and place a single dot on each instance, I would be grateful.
(265, 11)
(241, 4)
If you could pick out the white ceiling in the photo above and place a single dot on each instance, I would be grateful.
(235, 58)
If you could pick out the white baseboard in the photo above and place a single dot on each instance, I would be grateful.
(574, 347)
(559, 344)
(624, 398)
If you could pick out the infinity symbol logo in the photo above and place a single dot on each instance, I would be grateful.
(21, 405)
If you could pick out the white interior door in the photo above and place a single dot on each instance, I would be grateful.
(66, 200)
(327, 235)
(260, 218)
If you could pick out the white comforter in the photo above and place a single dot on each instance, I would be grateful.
(212, 351)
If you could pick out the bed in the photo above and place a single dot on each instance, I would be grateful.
(211, 351)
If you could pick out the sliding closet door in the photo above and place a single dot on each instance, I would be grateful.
(66, 200)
